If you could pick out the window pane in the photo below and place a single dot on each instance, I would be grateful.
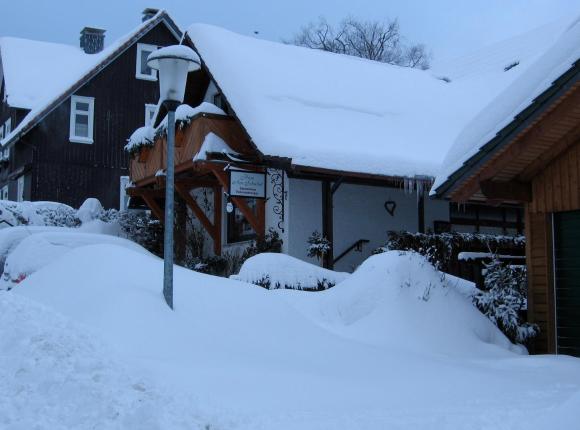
(145, 69)
(81, 125)
(82, 106)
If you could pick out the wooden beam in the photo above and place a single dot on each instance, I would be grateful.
(217, 220)
(511, 191)
(517, 147)
(257, 222)
(155, 208)
(199, 213)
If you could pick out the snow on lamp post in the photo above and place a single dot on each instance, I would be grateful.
(173, 63)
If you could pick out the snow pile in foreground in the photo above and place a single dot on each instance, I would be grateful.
(284, 271)
(55, 375)
(286, 360)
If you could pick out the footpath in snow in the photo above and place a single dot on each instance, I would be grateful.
(392, 346)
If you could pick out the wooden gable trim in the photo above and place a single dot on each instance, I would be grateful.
(540, 106)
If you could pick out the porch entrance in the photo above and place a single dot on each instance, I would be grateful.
(567, 281)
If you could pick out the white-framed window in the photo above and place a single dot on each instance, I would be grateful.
(82, 111)
(7, 126)
(5, 192)
(143, 71)
(20, 189)
(1, 132)
(149, 114)
(124, 198)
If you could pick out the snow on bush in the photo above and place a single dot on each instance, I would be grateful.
(318, 246)
(56, 375)
(37, 213)
(89, 210)
(274, 271)
(141, 138)
(504, 299)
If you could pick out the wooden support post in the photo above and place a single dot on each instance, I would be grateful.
(217, 220)
(327, 223)
(180, 231)
(421, 213)
(199, 213)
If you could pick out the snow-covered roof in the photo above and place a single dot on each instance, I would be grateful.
(551, 63)
(343, 113)
(40, 75)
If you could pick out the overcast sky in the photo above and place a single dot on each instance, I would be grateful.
(448, 27)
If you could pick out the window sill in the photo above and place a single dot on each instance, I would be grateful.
(81, 140)
(146, 77)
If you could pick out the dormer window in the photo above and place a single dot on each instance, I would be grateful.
(143, 71)
(81, 119)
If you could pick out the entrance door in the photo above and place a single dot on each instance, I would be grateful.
(567, 281)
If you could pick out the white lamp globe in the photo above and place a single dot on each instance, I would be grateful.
(173, 64)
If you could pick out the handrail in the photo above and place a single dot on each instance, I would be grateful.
(357, 245)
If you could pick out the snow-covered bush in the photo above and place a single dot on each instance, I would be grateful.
(504, 299)
(139, 227)
(270, 243)
(141, 138)
(37, 214)
(318, 246)
(442, 249)
(280, 271)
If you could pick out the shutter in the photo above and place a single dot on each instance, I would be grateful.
(567, 281)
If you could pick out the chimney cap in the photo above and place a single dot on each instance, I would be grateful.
(92, 30)
(149, 13)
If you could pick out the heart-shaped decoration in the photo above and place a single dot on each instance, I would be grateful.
(390, 206)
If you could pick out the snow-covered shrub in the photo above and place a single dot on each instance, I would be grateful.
(318, 246)
(442, 249)
(90, 210)
(504, 299)
(270, 243)
(38, 214)
(141, 228)
(141, 138)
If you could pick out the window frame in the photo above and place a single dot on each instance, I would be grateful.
(91, 119)
(4, 191)
(230, 221)
(20, 188)
(150, 120)
(2, 132)
(7, 127)
(140, 48)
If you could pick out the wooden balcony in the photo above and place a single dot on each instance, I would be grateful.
(144, 166)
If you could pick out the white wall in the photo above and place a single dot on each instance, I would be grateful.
(359, 213)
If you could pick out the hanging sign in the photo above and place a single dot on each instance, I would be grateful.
(247, 184)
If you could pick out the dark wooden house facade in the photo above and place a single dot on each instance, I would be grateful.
(535, 161)
(71, 147)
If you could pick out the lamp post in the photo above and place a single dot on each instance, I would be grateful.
(173, 63)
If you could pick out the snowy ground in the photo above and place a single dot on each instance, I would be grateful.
(393, 346)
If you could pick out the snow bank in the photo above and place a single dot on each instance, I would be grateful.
(35, 213)
(286, 359)
(400, 299)
(55, 375)
(34, 251)
(284, 271)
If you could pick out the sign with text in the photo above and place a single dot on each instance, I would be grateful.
(247, 184)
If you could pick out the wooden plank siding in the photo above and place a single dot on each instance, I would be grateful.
(555, 189)
(188, 143)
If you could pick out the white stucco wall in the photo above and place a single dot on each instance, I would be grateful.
(359, 213)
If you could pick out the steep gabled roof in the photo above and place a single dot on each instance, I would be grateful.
(343, 113)
(39, 76)
(495, 125)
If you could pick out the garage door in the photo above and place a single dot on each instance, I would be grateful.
(567, 280)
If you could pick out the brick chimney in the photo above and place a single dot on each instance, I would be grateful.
(148, 13)
(92, 40)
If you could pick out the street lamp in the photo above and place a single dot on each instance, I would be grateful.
(173, 63)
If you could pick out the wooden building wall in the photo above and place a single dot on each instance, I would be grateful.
(555, 189)
(69, 172)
